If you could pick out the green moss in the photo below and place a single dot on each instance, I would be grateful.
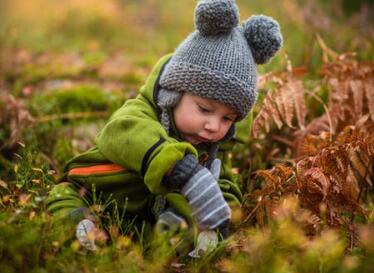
(94, 58)
(32, 73)
(78, 99)
(133, 78)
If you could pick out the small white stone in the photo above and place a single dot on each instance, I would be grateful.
(206, 242)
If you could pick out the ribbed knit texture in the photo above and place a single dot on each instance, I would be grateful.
(170, 220)
(216, 61)
(166, 100)
(216, 67)
(206, 200)
(183, 170)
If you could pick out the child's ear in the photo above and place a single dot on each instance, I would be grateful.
(263, 36)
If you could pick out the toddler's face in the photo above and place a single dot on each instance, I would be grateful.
(200, 119)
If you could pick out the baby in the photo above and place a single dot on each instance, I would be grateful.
(157, 155)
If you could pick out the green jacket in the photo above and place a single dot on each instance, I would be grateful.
(132, 155)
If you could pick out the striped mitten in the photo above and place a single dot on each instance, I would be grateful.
(203, 193)
(170, 220)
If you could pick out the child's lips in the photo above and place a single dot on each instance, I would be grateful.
(201, 139)
(196, 139)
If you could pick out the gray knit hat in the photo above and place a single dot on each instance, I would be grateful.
(218, 60)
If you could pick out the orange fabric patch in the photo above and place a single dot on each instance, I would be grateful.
(97, 169)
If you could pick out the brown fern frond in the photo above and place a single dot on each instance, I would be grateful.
(327, 52)
(278, 181)
(282, 104)
(327, 177)
(317, 181)
(272, 109)
(351, 88)
(300, 107)
(338, 96)
(335, 152)
(284, 172)
(285, 104)
(369, 91)
(313, 144)
(15, 118)
(268, 175)
(307, 141)
(334, 162)
(268, 114)
(358, 91)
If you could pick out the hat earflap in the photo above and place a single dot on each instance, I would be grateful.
(263, 36)
(213, 17)
(166, 100)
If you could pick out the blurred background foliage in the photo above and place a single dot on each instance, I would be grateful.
(145, 29)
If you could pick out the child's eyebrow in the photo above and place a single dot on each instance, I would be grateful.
(232, 115)
(205, 102)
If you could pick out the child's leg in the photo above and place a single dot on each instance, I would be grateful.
(67, 208)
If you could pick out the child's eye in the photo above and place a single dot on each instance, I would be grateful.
(228, 119)
(204, 109)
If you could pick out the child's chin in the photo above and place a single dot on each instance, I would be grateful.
(193, 140)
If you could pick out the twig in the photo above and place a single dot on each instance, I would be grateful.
(282, 140)
(326, 110)
(326, 50)
(52, 162)
(249, 216)
(70, 116)
(282, 160)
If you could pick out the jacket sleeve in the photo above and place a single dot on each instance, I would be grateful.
(67, 208)
(136, 140)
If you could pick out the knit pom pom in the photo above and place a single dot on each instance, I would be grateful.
(214, 17)
(263, 36)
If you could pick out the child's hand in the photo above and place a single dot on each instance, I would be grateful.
(202, 191)
(170, 220)
(85, 234)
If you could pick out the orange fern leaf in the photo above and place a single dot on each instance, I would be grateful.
(282, 104)
(369, 90)
(358, 95)
(320, 181)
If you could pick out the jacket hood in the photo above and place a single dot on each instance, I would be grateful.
(152, 84)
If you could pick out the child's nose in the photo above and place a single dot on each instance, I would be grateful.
(213, 124)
